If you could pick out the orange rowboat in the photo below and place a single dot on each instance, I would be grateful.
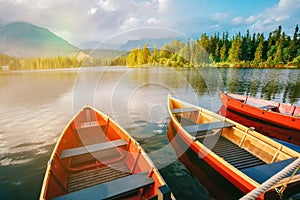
(94, 158)
(228, 158)
(277, 120)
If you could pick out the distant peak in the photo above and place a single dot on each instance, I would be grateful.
(25, 39)
(20, 23)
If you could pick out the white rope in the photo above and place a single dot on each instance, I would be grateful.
(272, 181)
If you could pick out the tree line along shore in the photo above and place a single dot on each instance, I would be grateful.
(277, 50)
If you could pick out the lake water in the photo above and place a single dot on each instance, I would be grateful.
(35, 107)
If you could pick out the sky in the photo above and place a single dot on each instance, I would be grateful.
(80, 21)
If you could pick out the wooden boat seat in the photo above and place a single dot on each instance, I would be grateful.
(262, 173)
(92, 148)
(110, 189)
(184, 110)
(196, 130)
(184, 121)
(91, 124)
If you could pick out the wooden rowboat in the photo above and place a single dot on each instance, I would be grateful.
(277, 120)
(227, 157)
(95, 158)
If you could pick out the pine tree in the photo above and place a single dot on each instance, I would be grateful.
(155, 54)
(223, 53)
(278, 58)
(187, 50)
(217, 54)
(246, 47)
(131, 58)
(294, 49)
(259, 50)
(235, 50)
(146, 54)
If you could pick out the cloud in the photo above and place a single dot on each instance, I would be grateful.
(251, 19)
(153, 20)
(163, 5)
(92, 11)
(286, 12)
(237, 20)
(107, 5)
(220, 16)
(130, 22)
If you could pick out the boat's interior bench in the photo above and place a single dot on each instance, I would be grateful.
(184, 110)
(91, 124)
(200, 130)
(92, 148)
(110, 189)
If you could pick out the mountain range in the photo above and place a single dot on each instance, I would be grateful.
(22, 39)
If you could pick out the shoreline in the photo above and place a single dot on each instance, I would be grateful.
(210, 65)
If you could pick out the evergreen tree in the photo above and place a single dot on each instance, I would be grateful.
(259, 50)
(146, 54)
(217, 54)
(131, 58)
(187, 51)
(155, 54)
(246, 47)
(278, 58)
(294, 48)
(235, 50)
(223, 50)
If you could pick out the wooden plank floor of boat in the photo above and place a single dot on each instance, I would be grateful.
(232, 153)
(90, 178)
(236, 156)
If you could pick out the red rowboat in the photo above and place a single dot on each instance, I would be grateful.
(227, 158)
(94, 158)
(278, 120)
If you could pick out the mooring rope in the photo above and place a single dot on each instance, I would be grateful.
(272, 181)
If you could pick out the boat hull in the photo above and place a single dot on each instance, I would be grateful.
(273, 124)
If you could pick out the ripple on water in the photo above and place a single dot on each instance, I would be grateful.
(10, 161)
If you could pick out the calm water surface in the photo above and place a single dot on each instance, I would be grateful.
(35, 107)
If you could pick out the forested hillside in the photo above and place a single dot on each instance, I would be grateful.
(58, 62)
(249, 50)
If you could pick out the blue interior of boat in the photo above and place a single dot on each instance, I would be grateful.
(262, 173)
(289, 145)
(110, 189)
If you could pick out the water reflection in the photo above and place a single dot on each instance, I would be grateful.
(272, 84)
(29, 88)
